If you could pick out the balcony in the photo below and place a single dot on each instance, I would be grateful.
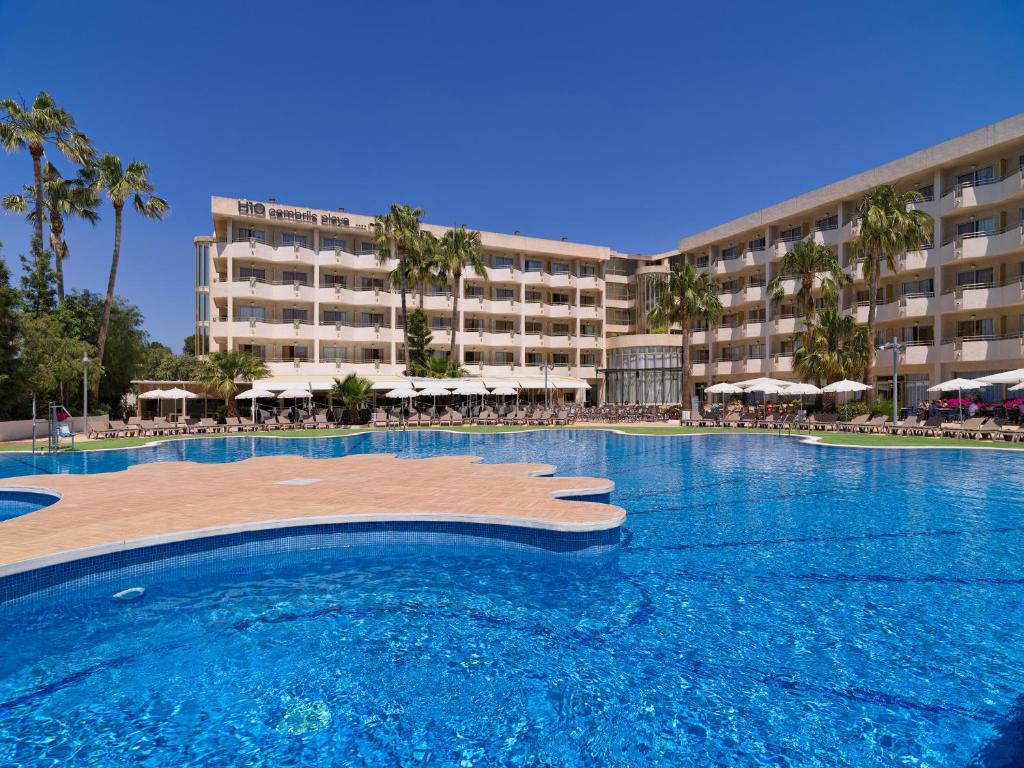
(489, 338)
(991, 350)
(730, 333)
(361, 297)
(503, 274)
(355, 331)
(587, 312)
(983, 296)
(758, 258)
(964, 196)
(481, 304)
(782, 362)
(984, 244)
(589, 283)
(911, 305)
(919, 353)
(254, 328)
(787, 324)
(258, 250)
(255, 288)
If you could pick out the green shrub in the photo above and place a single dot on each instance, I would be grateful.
(882, 408)
(847, 411)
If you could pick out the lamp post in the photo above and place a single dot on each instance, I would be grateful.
(85, 392)
(896, 348)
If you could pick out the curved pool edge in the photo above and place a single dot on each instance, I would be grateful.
(807, 439)
(107, 565)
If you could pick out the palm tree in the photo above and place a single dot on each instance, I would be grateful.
(63, 198)
(684, 295)
(395, 234)
(834, 346)
(24, 127)
(222, 371)
(353, 391)
(422, 262)
(889, 227)
(123, 183)
(809, 260)
(460, 249)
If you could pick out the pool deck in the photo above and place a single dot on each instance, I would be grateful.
(158, 503)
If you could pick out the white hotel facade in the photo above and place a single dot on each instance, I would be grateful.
(304, 289)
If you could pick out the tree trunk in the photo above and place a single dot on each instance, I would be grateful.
(808, 286)
(455, 314)
(233, 404)
(876, 261)
(37, 173)
(684, 362)
(101, 342)
(401, 288)
(57, 244)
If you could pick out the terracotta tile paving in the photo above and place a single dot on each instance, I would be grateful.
(169, 499)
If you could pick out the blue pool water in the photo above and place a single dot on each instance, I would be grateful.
(771, 603)
(14, 503)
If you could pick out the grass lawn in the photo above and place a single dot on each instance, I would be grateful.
(826, 438)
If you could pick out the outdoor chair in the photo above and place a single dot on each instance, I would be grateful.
(854, 424)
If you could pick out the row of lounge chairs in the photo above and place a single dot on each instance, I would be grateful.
(136, 427)
(448, 417)
(978, 428)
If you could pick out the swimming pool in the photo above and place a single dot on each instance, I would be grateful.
(772, 603)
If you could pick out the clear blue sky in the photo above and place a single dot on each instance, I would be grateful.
(623, 124)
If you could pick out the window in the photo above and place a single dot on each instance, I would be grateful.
(368, 319)
(533, 296)
(586, 270)
(534, 358)
(504, 358)
(588, 329)
(789, 235)
(924, 287)
(290, 276)
(441, 323)
(559, 358)
(504, 262)
(371, 284)
(291, 313)
(474, 324)
(252, 313)
(290, 239)
(559, 298)
(505, 294)
(560, 329)
(977, 228)
(290, 352)
(533, 265)
(984, 328)
(532, 326)
(334, 242)
(975, 277)
(474, 357)
(372, 355)
(474, 291)
(504, 326)
(977, 177)
(335, 316)
(368, 247)
(332, 354)
(728, 254)
(588, 301)
(756, 352)
(827, 222)
(559, 268)
(247, 273)
(589, 359)
(928, 191)
(329, 279)
(259, 350)
(757, 244)
(918, 334)
(253, 234)
(757, 315)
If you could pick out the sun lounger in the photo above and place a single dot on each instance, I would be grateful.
(855, 423)
(966, 428)
(822, 422)
(487, 416)
(541, 417)
(874, 425)
(904, 427)
(930, 427)
(116, 429)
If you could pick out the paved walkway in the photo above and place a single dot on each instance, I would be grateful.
(157, 503)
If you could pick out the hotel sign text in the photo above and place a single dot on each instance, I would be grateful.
(261, 211)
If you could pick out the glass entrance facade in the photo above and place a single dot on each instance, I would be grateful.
(644, 375)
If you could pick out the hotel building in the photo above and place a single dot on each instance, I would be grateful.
(305, 289)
